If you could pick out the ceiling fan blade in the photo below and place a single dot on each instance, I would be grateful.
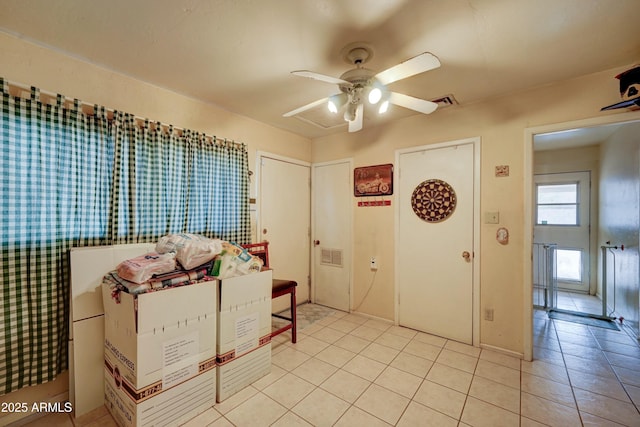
(417, 104)
(306, 107)
(321, 77)
(416, 65)
(356, 124)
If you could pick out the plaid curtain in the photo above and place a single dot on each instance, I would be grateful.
(72, 179)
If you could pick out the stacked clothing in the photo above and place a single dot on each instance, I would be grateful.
(179, 260)
(142, 268)
(159, 282)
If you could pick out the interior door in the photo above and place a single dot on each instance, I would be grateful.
(562, 216)
(435, 240)
(332, 234)
(284, 221)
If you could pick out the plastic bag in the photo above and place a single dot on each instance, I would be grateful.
(141, 269)
(192, 250)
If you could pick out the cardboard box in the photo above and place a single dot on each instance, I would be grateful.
(86, 329)
(154, 406)
(160, 336)
(242, 372)
(159, 353)
(244, 332)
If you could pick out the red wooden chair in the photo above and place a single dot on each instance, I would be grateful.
(279, 288)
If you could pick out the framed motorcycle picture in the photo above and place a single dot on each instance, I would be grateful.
(373, 180)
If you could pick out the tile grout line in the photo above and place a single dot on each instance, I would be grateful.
(566, 369)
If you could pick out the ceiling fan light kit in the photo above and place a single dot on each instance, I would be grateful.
(384, 106)
(375, 94)
(359, 83)
(336, 102)
(350, 112)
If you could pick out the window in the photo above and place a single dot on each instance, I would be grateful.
(557, 204)
(76, 179)
(569, 265)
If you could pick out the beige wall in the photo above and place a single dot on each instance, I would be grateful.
(568, 160)
(29, 64)
(501, 124)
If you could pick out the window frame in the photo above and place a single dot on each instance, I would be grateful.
(577, 222)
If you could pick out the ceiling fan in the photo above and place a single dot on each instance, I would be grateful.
(359, 83)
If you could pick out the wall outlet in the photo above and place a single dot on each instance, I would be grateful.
(488, 314)
(373, 263)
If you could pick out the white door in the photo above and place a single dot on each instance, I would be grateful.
(284, 221)
(332, 194)
(435, 259)
(561, 216)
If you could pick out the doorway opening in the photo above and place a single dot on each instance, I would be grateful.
(582, 278)
(562, 235)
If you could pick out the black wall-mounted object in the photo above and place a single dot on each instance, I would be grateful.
(629, 89)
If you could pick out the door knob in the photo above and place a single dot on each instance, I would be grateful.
(316, 242)
(467, 256)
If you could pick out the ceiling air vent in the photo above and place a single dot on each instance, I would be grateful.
(445, 101)
(331, 257)
(322, 118)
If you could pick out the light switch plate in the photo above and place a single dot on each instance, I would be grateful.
(492, 217)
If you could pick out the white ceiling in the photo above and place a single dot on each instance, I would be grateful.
(573, 138)
(238, 54)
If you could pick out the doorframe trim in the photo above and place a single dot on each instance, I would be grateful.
(527, 191)
(312, 291)
(475, 142)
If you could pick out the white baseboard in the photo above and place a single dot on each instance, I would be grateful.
(502, 351)
(372, 317)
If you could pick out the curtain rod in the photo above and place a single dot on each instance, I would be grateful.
(27, 88)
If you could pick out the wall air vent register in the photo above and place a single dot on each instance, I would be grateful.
(331, 257)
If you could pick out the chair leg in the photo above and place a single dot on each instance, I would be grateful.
(294, 329)
(292, 325)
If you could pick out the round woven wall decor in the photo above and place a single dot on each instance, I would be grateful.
(433, 200)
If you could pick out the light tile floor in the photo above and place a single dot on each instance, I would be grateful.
(348, 370)
(572, 301)
(579, 302)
